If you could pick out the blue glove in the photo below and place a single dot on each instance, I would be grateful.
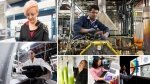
(104, 36)
(91, 30)
(108, 78)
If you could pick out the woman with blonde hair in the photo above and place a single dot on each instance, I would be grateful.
(33, 29)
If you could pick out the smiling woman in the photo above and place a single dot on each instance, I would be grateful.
(33, 29)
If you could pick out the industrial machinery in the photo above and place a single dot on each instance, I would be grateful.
(124, 18)
(5, 30)
(98, 48)
(93, 46)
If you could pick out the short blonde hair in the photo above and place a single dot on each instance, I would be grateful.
(30, 4)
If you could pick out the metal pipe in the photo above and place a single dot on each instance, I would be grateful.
(102, 5)
(146, 21)
(72, 17)
(147, 2)
(120, 35)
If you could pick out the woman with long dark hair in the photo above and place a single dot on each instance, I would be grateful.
(97, 70)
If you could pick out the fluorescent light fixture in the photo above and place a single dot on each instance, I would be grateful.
(2, 0)
(42, 5)
(26, 46)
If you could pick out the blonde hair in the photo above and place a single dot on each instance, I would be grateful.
(30, 4)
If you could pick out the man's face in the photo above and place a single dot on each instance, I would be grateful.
(93, 14)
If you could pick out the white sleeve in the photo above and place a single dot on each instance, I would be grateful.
(26, 63)
(44, 64)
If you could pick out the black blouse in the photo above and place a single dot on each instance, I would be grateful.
(40, 34)
(81, 78)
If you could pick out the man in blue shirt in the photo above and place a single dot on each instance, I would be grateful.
(90, 25)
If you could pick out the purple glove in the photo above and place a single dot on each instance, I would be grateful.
(108, 78)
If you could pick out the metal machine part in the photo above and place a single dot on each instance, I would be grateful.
(86, 47)
(146, 21)
(6, 61)
(98, 48)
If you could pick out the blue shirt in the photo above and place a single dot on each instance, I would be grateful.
(84, 22)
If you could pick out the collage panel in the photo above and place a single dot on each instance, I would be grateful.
(28, 63)
(93, 27)
(28, 20)
(103, 70)
(73, 69)
(135, 69)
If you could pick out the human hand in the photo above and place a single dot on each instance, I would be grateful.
(91, 30)
(99, 33)
(105, 36)
(80, 68)
(108, 78)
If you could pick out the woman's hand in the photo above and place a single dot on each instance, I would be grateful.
(80, 69)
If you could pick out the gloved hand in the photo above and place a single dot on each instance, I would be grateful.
(91, 30)
(33, 71)
(108, 78)
(99, 33)
(104, 36)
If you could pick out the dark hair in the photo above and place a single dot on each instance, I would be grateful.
(32, 50)
(93, 7)
(85, 63)
(95, 62)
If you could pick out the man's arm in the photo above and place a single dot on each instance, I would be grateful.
(103, 28)
(83, 30)
(125, 77)
(78, 26)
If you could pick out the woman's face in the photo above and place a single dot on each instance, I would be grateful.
(82, 64)
(31, 54)
(32, 14)
(124, 67)
(99, 62)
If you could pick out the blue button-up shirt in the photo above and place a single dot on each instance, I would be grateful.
(84, 22)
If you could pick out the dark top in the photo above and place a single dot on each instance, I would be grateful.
(82, 77)
(40, 34)
(84, 22)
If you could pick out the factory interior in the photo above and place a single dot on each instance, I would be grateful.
(127, 20)
(12, 18)
(16, 68)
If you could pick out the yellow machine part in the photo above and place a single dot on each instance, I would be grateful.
(100, 43)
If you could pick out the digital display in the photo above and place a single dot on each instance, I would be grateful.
(135, 67)
(140, 66)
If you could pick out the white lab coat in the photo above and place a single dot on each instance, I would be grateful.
(37, 61)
